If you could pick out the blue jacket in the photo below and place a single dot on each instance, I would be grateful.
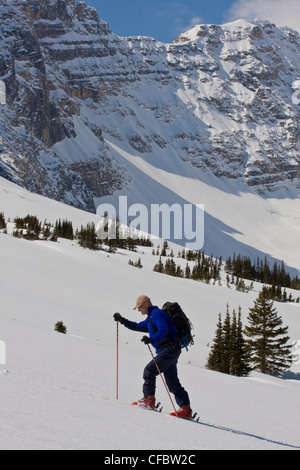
(159, 326)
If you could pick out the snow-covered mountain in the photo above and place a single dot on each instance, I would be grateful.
(59, 391)
(89, 116)
(86, 117)
(219, 98)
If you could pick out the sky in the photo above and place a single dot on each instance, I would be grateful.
(164, 20)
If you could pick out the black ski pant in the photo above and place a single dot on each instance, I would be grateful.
(166, 360)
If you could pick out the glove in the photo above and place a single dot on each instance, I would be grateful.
(119, 318)
(146, 340)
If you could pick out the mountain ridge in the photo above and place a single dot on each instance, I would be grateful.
(219, 97)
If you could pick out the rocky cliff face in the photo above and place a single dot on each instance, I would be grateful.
(42, 102)
(219, 97)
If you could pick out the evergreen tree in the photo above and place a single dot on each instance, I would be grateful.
(159, 267)
(216, 354)
(60, 327)
(63, 229)
(227, 343)
(46, 230)
(267, 339)
(130, 240)
(187, 272)
(87, 237)
(2, 221)
(228, 353)
(239, 355)
(164, 248)
(170, 267)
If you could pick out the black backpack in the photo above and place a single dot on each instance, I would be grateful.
(182, 324)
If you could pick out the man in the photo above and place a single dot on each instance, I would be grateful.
(162, 336)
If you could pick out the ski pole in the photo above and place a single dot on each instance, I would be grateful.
(163, 380)
(117, 381)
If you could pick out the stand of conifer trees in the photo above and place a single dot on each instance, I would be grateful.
(228, 353)
(264, 349)
(260, 271)
(205, 268)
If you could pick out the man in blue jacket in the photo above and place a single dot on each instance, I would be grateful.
(162, 336)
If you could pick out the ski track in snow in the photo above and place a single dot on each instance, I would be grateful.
(222, 428)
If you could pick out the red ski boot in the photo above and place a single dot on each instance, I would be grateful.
(146, 402)
(185, 412)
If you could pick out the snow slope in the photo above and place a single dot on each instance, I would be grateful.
(236, 218)
(59, 391)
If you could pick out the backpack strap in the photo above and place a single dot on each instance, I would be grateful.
(153, 324)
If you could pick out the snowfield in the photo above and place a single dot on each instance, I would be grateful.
(59, 391)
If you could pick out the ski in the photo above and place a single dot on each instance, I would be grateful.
(195, 418)
(158, 407)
